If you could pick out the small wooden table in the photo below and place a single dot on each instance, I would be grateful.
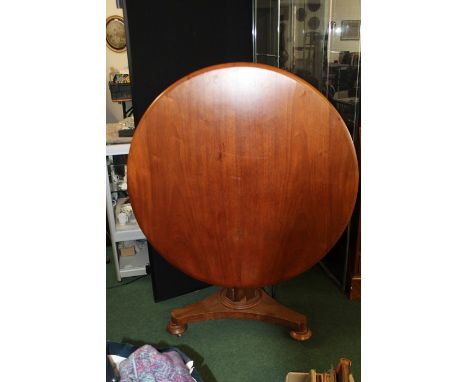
(123, 101)
(242, 175)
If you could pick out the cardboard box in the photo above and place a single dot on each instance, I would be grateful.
(127, 251)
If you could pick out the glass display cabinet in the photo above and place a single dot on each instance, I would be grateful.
(129, 246)
(292, 35)
(319, 40)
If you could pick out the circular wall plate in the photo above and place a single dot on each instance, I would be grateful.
(313, 5)
(313, 23)
(115, 34)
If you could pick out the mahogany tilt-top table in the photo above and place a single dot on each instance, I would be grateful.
(242, 175)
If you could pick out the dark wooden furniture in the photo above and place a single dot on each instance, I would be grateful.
(125, 112)
(242, 175)
(354, 283)
(354, 291)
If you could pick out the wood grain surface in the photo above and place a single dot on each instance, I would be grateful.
(220, 306)
(242, 175)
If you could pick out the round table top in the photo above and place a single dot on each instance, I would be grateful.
(242, 175)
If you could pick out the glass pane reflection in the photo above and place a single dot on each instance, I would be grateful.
(318, 40)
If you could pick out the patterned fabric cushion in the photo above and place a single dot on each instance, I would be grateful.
(146, 364)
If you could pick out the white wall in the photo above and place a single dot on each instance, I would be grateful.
(118, 61)
(344, 10)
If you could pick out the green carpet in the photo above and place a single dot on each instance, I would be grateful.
(243, 351)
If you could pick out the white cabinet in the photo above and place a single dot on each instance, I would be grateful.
(129, 246)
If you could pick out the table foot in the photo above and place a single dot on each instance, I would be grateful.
(242, 304)
(176, 329)
(301, 336)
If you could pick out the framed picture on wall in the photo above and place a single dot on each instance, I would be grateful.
(115, 34)
(350, 29)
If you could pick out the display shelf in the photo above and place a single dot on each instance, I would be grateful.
(120, 149)
(128, 232)
(134, 265)
(131, 265)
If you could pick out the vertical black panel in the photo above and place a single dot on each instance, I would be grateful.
(167, 40)
(168, 281)
(170, 39)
